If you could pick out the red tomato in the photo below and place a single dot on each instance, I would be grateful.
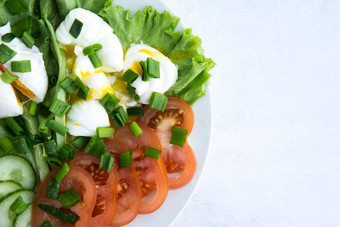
(83, 183)
(129, 191)
(106, 184)
(151, 172)
(180, 162)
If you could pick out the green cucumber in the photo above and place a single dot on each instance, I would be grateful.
(24, 219)
(7, 187)
(6, 216)
(17, 169)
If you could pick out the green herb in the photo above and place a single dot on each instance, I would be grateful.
(83, 89)
(152, 152)
(129, 76)
(21, 66)
(135, 129)
(105, 132)
(6, 145)
(14, 126)
(135, 111)
(6, 53)
(68, 85)
(57, 127)
(178, 136)
(95, 147)
(76, 28)
(125, 159)
(52, 189)
(106, 161)
(69, 198)
(80, 142)
(59, 107)
(18, 206)
(8, 78)
(109, 102)
(59, 213)
(59, 176)
(158, 101)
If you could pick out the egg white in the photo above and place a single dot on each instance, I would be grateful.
(9, 104)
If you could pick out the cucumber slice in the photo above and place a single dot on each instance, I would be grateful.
(6, 218)
(7, 187)
(24, 219)
(17, 169)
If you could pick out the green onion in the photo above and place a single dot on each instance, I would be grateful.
(178, 136)
(14, 126)
(76, 28)
(8, 37)
(145, 70)
(69, 198)
(52, 189)
(6, 53)
(46, 223)
(59, 107)
(66, 153)
(119, 117)
(83, 89)
(95, 60)
(59, 213)
(15, 6)
(20, 145)
(135, 129)
(125, 159)
(28, 39)
(95, 147)
(132, 92)
(18, 206)
(129, 76)
(158, 101)
(57, 127)
(109, 102)
(59, 176)
(54, 162)
(50, 147)
(21, 66)
(8, 78)
(80, 142)
(135, 111)
(6, 145)
(92, 49)
(152, 69)
(106, 161)
(33, 109)
(105, 132)
(21, 26)
(68, 85)
(152, 152)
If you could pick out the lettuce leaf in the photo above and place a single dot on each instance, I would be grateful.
(95, 6)
(158, 30)
(147, 26)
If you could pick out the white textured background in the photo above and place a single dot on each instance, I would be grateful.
(275, 153)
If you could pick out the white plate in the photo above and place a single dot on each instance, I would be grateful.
(199, 141)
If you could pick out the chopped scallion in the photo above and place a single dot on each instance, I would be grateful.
(5, 144)
(59, 176)
(109, 102)
(69, 198)
(67, 152)
(23, 25)
(8, 78)
(152, 152)
(59, 107)
(80, 142)
(105, 132)
(50, 147)
(83, 89)
(28, 39)
(135, 111)
(153, 69)
(125, 159)
(106, 161)
(76, 28)
(158, 101)
(59, 213)
(119, 117)
(52, 189)
(135, 129)
(68, 85)
(178, 136)
(21, 66)
(92, 49)
(129, 76)
(132, 92)
(57, 127)
(95, 60)
(95, 147)
(18, 206)
(15, 6)
(13, 126)
(20, 145)
(33, 109)
(46, 223)
(7, 38)
(6, 53)
(54, 162)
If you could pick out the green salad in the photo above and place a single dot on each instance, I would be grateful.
(95, 111)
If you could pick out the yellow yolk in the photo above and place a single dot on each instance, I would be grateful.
(137, 68)
(71, 57)
(23, 89)
(95, 92)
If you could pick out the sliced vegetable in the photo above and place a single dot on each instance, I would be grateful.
(106, 161)
(8, 37)
(95, 60)
(119, 117)
(59, 213)
(24, 219)
(135, 111)
(69, 198)
(92, 49)
(158, 101)
(6, 187)
(59, 176)
(109, 102)
(6, 144)
(14, 126)
(28, 39)
(152, 152)
(8, 78)
(125, 159)
(57, 127)
(21, 66)
(80, 142)
(33, 109)
(76, 28)
(18, 206)
(135, 129)
(46, 223)
(59, 107)
(105, 132)
(95, 147)
(20, 145)
(50, 147)
(129, 76)
(52, 189)
(178, 136)
(83, 89)
(6, 53)
(69, 85)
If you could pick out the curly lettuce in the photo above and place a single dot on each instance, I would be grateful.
(158, 30)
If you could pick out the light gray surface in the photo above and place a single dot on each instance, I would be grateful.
(275, 154)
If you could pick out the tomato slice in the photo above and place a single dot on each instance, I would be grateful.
(180, 162)
(129, 191)
(82, 182)
(151, 172)
(106, 184)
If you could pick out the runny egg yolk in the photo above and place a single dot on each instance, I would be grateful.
(71, 57)
(137, 68)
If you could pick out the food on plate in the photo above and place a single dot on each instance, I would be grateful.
(95, 111)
